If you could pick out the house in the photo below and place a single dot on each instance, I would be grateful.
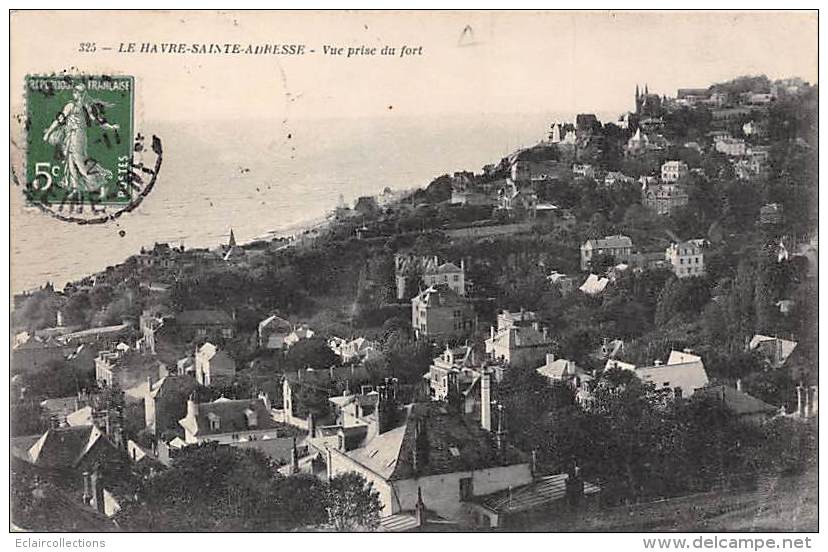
(430, 272)
(739, 403)
(732, 147)
(774, 349)
(272, 331)
(58, 506)
(439, 310)
(561, 369)
(584, 171)
(618, 247)
(165, 402)
(692, 96)
(432, 456)
(58, 409)
(664, 198)
(587, 123)
(459, 371)
(686, 258)
(128, 370)
(672, 171)
(683, 374)
(594, 285)
(228, 421)
(545, 496)
(357, 349)
(464, 196)
(205, 323)
(518, 341)
(299, 333)
(614, 178)
(73, 447)
(31, 354)
(563, 282)
(213, 366)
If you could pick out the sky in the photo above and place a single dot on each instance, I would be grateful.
(510, 62)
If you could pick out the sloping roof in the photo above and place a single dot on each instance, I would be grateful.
(440, 295)
(445, 430)
(203, 317)
(64, 447)
(594, 285)
(52, 508)
(683, 370)
(208, 350)
(560, 368)
(447, 267)
(80, 417)
(95, 332)
(543, 490)
(520, 336)
(275, 324)
(232, 416)
(783, 347)
(738, 402)
(61, 405)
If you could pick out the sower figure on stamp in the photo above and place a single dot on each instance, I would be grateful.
(68, 131)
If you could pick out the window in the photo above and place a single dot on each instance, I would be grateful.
(456, 277)
(227, 332)
(466, 488)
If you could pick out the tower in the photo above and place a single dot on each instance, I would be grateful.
(232, 242)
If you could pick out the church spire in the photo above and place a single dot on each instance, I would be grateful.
(637, 93)
(232, 242)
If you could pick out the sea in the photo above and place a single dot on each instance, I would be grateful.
(263, 179)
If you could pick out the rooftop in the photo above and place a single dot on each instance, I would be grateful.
(454, 444)
(232, 416)
(541, 491)
(203, 317)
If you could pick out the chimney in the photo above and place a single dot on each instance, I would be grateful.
(799, 405)
(192, 406)
(294, 458)
(550, 358)
(574, 487)
(97, 492)
(311, 425)
(265, 398)
(807, 410)
(814, 400)
(738, 384)
(486, 401)
(419, 508)
(87, 488)
(500, 436)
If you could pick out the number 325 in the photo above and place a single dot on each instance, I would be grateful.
(86, 47)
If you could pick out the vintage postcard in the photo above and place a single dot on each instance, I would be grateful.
(415, 271)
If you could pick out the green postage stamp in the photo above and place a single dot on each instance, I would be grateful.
(79, 140)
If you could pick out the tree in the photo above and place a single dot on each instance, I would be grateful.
(352, 503)
(310, 353)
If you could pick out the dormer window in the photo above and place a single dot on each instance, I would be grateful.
(251, 417)
(215, 421)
